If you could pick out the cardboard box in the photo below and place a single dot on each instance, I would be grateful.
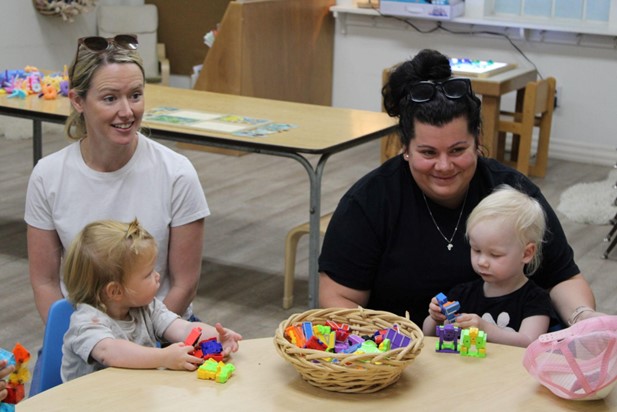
(423, 9)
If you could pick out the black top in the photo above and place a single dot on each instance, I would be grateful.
(381, 238)
(504, 311)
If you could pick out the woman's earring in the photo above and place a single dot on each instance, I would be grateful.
(406, 156)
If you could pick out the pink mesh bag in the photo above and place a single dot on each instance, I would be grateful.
(579, 362)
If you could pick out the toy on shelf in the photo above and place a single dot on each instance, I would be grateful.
(448, 308)
(473, 343)
(31, 81)
(19, 357)
(449, 336)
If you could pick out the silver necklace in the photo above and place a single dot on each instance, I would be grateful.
(460, 215)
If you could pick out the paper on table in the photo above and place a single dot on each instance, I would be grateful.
(225, 123)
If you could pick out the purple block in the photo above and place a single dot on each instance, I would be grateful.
(397, 340)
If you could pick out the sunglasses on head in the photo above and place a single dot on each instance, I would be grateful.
(99, 44)
(452, 88)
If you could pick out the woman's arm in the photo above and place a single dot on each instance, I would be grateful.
(185, 253)
(335, 295)
(44, 255)
(572, 294)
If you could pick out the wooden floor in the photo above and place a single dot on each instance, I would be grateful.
(254, 199)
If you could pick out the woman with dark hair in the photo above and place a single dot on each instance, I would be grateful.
(397, 237)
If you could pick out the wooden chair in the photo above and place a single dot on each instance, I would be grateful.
(143, 21)
(534, 109)
(390, 144)
(291, 245)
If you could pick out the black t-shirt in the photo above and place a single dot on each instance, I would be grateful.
(504, 311)
(381, 238)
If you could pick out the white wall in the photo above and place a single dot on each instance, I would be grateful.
(584, 125)
(29, 38)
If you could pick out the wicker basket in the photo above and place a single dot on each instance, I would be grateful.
(351, 373)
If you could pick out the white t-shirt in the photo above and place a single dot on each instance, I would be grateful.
(157, 186)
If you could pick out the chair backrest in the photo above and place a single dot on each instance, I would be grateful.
(140, 20)
(540, 97)
(58, 322)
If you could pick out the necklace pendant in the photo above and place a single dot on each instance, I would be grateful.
(450, 246)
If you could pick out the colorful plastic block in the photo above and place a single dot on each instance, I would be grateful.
(216, 371)
(397, 339)
(450, 309)
(449, 336)
(307, 328)
(193, 337)
(473, 343)
(296, 336)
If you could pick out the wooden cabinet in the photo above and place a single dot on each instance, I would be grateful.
(276, 49)
(182, 26)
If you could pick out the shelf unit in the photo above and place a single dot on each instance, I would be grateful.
(594, 34)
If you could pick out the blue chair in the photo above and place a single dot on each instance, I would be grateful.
(50, 362)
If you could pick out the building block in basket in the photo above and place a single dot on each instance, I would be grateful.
(315, 343)
(321, 330)
(296, 336)
(380, 335)
(449, 336)
(352, 348)
(397, 339)
(340, 347)
(355, 339)
(473, 343)
(448, 308)
(307, 328)
(341, 330)
(328, 339)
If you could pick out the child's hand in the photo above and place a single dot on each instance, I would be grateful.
(228, 338)
(178, 357)
(4, 372)
(434, 312)
(469, 320)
